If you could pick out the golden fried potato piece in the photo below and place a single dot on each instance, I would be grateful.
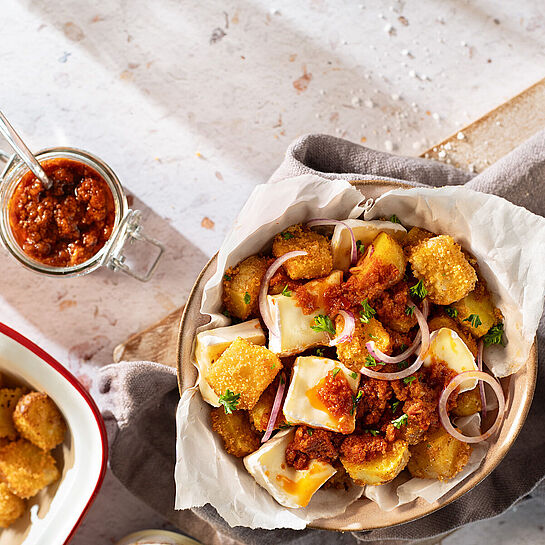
(476, 303)
(11, 506)
(244, 369)
(381, 468)
(353, 354)
(442, 320)
(261, 412)
(446, 273)
(8, 402)
(38, 419)
(440, 456)
(413, 238)
(241, 286)
(26, 469)
(317, 263)
(238, 437)
(468, 403)
(382, 266)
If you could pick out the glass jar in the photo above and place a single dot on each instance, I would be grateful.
(127, 227)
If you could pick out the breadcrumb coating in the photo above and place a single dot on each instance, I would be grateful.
(317, 263)
(26, 469)
(353, 354)
(238, 437)
(39, 420)
(11, 506)
(440, 263)
(244, 369)
(8, 401)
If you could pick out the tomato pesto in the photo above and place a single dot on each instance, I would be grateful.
(67, 224)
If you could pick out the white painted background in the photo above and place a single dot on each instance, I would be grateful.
(194, 103)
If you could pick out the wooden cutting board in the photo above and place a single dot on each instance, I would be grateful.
(473, 148)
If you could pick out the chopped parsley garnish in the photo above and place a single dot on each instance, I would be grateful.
(419, 290)
(247, 298)
(273, 365)
(226, 277)
(320, 352)
(395, 405)
(370, 361)
(322, 322)
(374, 337)
(374, 433)
(398, 422)
(335, 372)
(394, 219)
(408, 380)
(286, 235)
(360, 246)
(355, 401)
(354, 375)
(310, 431)
(494, 335)
(409, 311)
(474, 320)
(229, 400)
(452, 312)
(286, 425)
(402, 364)
(226, 313)
(286, 292)
(367, 312)
(403, 347)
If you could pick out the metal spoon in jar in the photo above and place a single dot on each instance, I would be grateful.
(23, 152)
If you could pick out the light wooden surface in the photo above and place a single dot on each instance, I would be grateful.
(475, 147)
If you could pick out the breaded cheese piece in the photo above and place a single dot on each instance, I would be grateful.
(39, 420)
(302, 406)
(443, 268)
(364, 232)
(244, 369)
(212, 343)
(317, 263)
(447, 347)
(238, 437)
(26, 469)
(353, 353)
(11, 506)
(288, 486)
(8, 401)
(292, 332)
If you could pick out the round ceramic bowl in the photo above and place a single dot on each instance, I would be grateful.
(54, 514)
(365, 514)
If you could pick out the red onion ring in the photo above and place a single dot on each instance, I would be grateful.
(348, 328)
(275, 265)
(481, 385)
(451, 386)
(422, 337)
(354, 253)
(275, 408)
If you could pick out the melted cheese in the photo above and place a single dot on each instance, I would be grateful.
(293, 331)
(211, 344)
(446, 346)
(302, 404)
(366, 231)
(288, 486)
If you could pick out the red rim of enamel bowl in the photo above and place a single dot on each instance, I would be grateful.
(42, 354)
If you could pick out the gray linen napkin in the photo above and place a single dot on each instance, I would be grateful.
(139, 399)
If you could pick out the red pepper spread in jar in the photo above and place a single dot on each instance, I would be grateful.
(67, 224)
